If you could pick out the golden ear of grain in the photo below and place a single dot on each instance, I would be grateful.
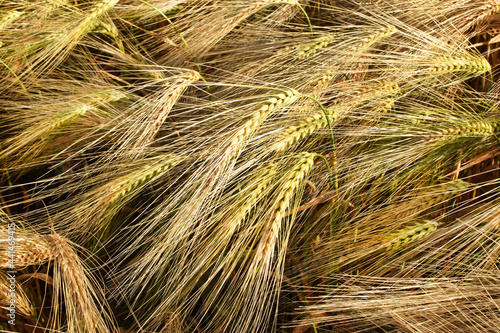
(168, 100)
(367, 92)
(8, 17)
(40, 132)
(403, 237)
(37, 135)
(381, 89)
(473, 64)
(366, 43)
(327, 77)
(294, 134)
(105, 28)
(69, 117)
(70, 278)
(251, 125)
(305, 51)
(425, 200)
(485, 11)
(384, 106)
(52, 5)
(251, 196)
(293, 180)
(28, 248)
(109, 96)
(23, 304)
(92, 18)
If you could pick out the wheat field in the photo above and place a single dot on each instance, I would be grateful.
(298, 166)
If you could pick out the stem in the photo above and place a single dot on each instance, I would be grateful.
(308, 23)
(336, 190)
(328, 168)
(18, 80)
(332, 138)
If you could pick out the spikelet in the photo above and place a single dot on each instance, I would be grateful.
(251, 196)
(424, 200)
(403, 237)
(19, 248)
(108, 96)
(366, 43)
(384, 106)
(379, 89)
(92, 18)
(305, 51)
(11, 289)
(293, 181)
(69, 117)
(472, 64)
(294, 134)
(168, 100)
(490, 8)
(130, 184)
(476, 128)
(324, 79)
(8, 17)
(105, 28)
(233, 148)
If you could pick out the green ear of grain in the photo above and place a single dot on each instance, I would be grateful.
(400, 239)
(297, 133)
(305, 51)
(130, 184)
(471, 129)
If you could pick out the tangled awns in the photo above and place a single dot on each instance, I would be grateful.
(297, 166)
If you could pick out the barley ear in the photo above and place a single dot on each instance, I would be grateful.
(293, 180)
(299, 132)
(8, 17)
(472, 129)
(83, 305)
(245, 131)
(251, 196)
(403, 237)
(23, 304)
(472, 64)
(27, 248)
(305, 51)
